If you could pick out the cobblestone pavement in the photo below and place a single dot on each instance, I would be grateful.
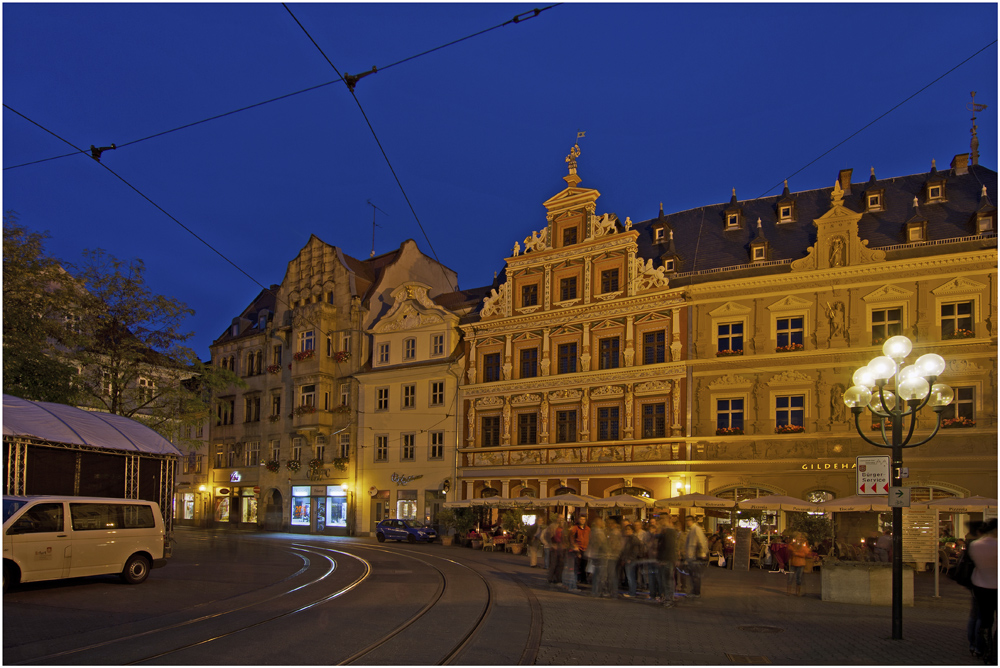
(746, 617)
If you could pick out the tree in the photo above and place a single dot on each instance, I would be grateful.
(38, 305)
(130, 349)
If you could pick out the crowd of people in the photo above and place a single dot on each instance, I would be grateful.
(654, 559)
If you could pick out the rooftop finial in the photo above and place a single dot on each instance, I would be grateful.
(572, 179)
(837, 196)
(974, 144)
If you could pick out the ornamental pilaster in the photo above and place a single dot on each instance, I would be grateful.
(587, 270)
(629, 406)
(585, 353)
(507, 366)
(472, 424)
(544, 366)
(585, 417)
(505, 436)
(471, 374)
(629, 339)
(547, 300)
(675, 395)
(632, 278)
(675, 335)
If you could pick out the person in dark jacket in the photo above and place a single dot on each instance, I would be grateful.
(666, 558)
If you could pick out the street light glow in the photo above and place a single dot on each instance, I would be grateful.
(897, 347)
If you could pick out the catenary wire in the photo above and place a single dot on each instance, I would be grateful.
(381, 148)
(516, 19)
(878, 119)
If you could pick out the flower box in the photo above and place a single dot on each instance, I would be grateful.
(957, 423)
(273, 418)
(304, 410)
(790, 348)
(789, 429)
(274, 368)
(340, 463)
(961, 334)
(273, 466)
(302, 355)
(342, 356)
(343, 408)
(877, 426)
(728, 353)
(729, 431)
(315, 464)
(293, 465)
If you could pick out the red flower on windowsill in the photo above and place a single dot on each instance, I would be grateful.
(957, 423)
(789, 429)
(790, 348)
(961, 334)
(729, 431)
(302, 355)
(274, 368)
(342, 356)
(728, 353)
(304, 410)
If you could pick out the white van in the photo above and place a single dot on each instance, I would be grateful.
(53, 537)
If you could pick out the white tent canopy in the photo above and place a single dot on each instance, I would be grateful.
(59, 423)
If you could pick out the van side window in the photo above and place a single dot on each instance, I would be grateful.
(40, 518)
(98, 516)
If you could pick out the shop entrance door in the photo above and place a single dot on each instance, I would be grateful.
(380, 511)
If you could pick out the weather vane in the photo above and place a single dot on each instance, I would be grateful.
(374, 225)
(974, 145)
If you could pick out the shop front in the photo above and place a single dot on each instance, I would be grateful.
(236, 507)
(192, 506)
(319, 509)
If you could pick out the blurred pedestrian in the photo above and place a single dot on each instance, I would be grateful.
(695, 554)
(666, 559)
(596, 553)
(579, 539)
(800, 551)
(983, 552)
(558, 542)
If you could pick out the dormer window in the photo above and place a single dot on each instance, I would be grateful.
(659, 234)
(916, 232)
(235, 330)
(669, 265)
(935, 192)
(733, 220)
(874, 201)
(569, 236)
(785, 213)
(984, 223)
(759, 253)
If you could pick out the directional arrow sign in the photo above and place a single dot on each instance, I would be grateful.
(873, 474)
(899, 497)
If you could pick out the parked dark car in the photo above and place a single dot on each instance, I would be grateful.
(408, 530)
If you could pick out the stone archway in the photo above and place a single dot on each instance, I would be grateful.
(274, 514)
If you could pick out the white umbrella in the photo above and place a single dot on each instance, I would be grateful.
(855, 504)
(972, 504)
(695, 501)
(567, 500)
(457, 504)
(778, 502)
(623, 501)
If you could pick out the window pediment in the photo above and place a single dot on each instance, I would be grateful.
(730, 309)
(790, 303)
(730, 380)
(888, 293)
(960, 285)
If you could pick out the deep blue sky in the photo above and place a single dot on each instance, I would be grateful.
(680, 104)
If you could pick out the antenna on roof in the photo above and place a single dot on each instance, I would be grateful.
(374, 225)
(974, 145)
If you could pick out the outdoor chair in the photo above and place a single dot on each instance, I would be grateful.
(760, 557)
(488, 543)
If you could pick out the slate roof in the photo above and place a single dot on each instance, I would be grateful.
(702, 243)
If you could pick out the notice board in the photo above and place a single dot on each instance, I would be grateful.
(743, 547)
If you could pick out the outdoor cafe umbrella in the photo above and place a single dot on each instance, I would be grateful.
(623, 501)
(855, 504)
(567, 500)
(778, 502)
(695, 501)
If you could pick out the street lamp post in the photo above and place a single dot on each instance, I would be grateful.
(913, 388)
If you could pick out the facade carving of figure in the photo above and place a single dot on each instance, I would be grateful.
(649, 277)
(585, 409)
(838, 410)
(628, 223)
(506, 419)
(517, 249)
(835, 313)
(837, 252)
(604, 225)
(534, 242)
(472, 422)
(628, 407)
(494, 304)
(544, 410)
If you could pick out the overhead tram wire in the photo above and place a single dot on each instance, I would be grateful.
(380, 147)
(520, 18)
(159, 208)
(763, 194)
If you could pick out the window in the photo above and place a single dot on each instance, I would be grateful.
(956, 320)
(491, 430)
(297, 449)
(409, 349)
(382, 399)
(984, 223)
(320, 448)
(345, 394)
(654, 347)
(607, 423)
(962, 406)
(874, 201)
(529, 295)
(437, 445)
(491, 368)
(437, 393)
(915, 232)
(409, 450)
(886, 322)
(345, 445)
(146, 390)
(668, 265)
(409, 396)
(730, 337)
(329, 346)
(659, 234)
(307, 341)
(569, 236)
(251, 409)
(529, 362)
(345, 343)
(565, 426)
(608, 353)
(566, 358)
(729, 414)
(654, 420)
(759, 253)
(231, 454)
(784, 213)
(307, 395)
(732, 221)
(789, 411)
(383, 353)
(220, 455)
(789, 332)
(437, 344)
(276, 355)
(275, 449)
(527, 428)
(935, 192)
(609, 280)
(567, 288)
(381, 448)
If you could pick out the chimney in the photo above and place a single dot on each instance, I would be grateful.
(960, 163)
(845, 181)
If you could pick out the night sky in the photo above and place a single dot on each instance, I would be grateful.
(680, 104)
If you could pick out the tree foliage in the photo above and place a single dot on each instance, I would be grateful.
(37, 303)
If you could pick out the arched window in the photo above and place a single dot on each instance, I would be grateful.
(631, 491)
(563, 490)
(489, 492)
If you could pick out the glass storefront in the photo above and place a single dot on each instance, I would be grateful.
(222, 508)
(248, 507)
(406, 504)
(187, 511)
(301, 504)
(317, 508)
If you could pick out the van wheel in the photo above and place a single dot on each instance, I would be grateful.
(10, 577)
(381, 537)
(136, 569)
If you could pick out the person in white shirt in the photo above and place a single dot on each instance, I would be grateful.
(695, 554)
(983, 552)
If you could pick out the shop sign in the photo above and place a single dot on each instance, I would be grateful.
(234, 476)
(319, 490)
(873, 474)
(401, 479)
(827, 466)
(222, 491)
